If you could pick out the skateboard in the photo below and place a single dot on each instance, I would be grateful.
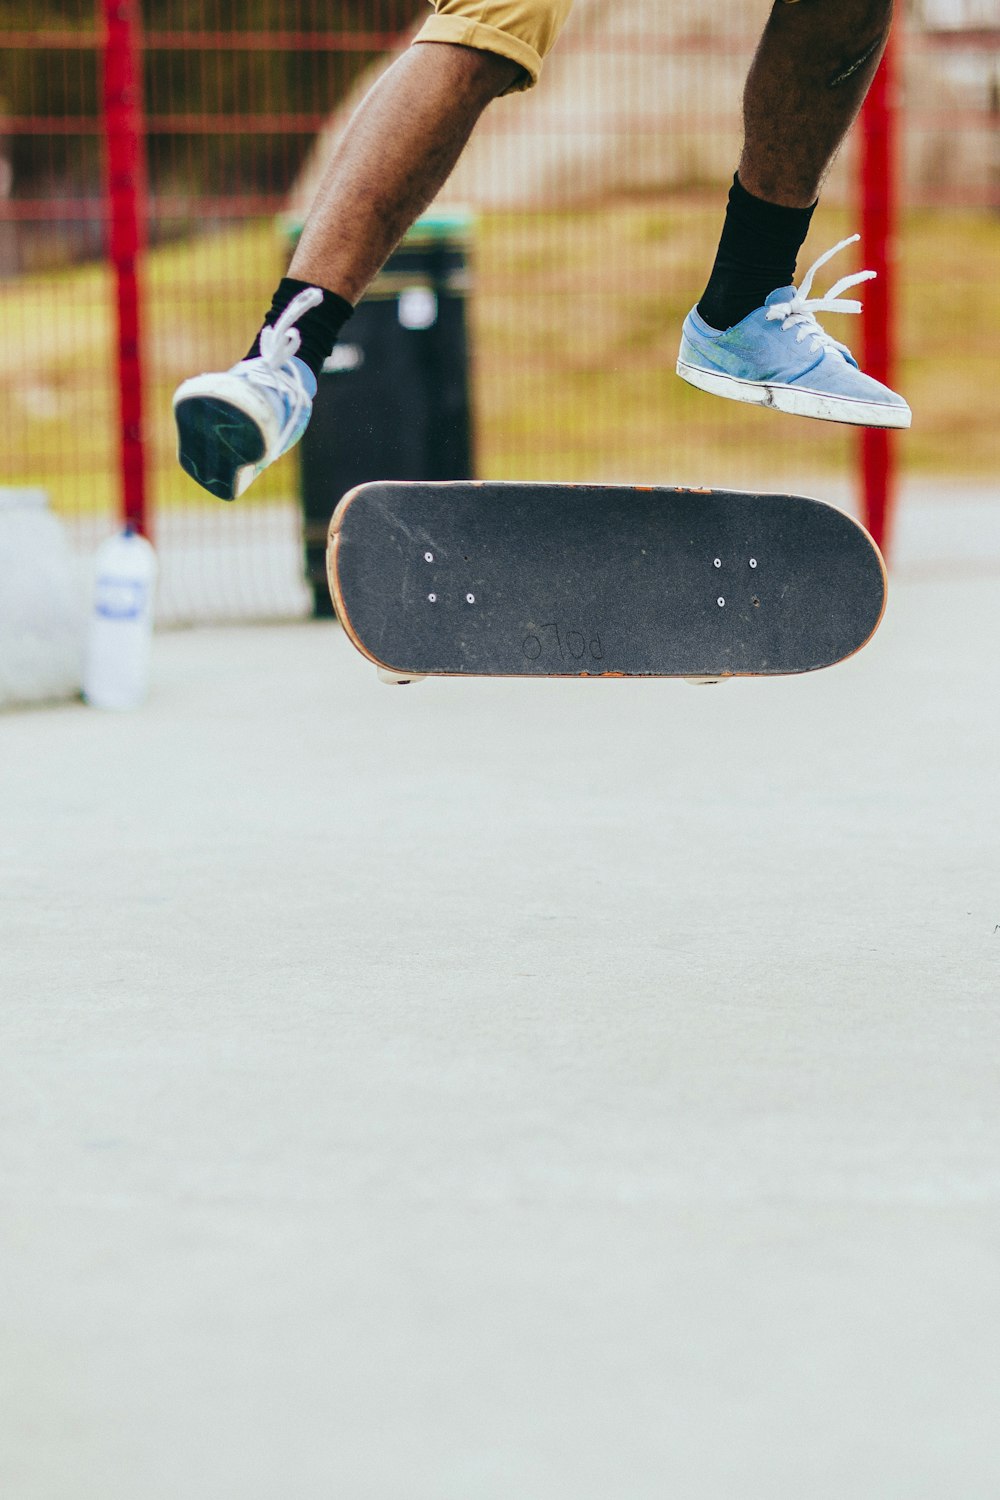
(483, 579)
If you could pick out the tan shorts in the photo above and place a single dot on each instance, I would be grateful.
(523, 30)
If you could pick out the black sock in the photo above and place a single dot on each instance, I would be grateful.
(757, 252)
(318, 327)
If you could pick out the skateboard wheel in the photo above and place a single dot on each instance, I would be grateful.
(396, 679)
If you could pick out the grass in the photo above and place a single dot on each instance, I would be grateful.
(578, 319)
(575, 320)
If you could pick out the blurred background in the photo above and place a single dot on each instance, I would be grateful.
(581, 225)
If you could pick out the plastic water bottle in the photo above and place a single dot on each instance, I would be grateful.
(120, 632)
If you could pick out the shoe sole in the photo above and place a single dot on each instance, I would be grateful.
(795, 400)
(219, 445)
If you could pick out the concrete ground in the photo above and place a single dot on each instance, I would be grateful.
(506, 1091)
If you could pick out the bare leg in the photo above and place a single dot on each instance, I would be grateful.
(398, 150)
(807, 82)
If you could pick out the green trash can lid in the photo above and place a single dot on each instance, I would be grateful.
(438, 225)
(441, 224)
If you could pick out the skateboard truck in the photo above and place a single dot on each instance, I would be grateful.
(397, 679)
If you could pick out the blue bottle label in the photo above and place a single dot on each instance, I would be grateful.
(120, 598)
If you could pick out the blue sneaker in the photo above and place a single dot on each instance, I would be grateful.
(779, 356)
(231, 425)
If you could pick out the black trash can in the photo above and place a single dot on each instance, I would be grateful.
(393, 401)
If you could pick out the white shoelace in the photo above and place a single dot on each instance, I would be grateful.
(801, 311)
(274, 367)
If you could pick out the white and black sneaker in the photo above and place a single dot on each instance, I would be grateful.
(233, 424)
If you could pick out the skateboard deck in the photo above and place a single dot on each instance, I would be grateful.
(557, 580)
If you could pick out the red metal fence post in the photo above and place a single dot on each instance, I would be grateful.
(878, 168)
(126, 192)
